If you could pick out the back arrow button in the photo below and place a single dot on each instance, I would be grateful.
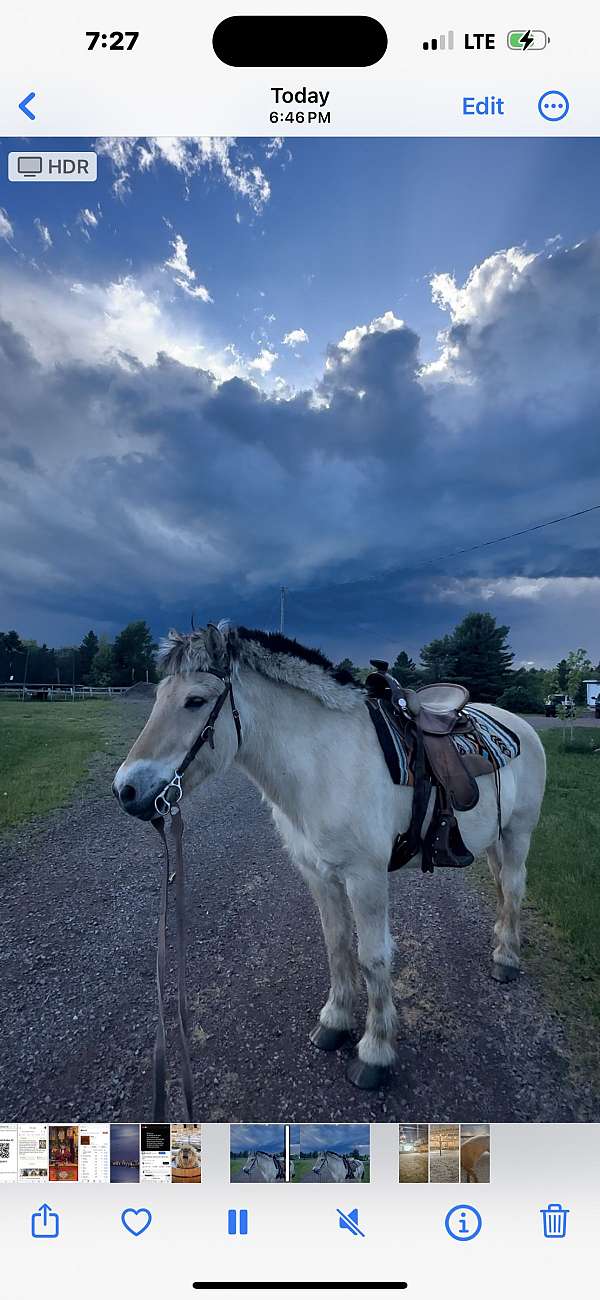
(25, 102)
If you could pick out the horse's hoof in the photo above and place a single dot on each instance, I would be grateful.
(328, 1040)
(505, 974)
(363, 1075)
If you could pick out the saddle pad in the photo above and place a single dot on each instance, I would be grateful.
(491, 739)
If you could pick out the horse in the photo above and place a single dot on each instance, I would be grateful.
(333, 1168)
(299, 729)
(264, 1167)
(475, 1159)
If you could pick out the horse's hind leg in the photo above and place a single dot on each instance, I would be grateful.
(368, 894)
(336, 1018)
(507, 861)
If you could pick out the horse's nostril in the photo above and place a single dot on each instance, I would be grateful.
(127, 794)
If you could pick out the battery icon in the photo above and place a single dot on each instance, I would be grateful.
(529, 39)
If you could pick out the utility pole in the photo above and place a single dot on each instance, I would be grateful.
(282, 595)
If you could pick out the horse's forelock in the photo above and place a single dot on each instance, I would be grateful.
(184, 652)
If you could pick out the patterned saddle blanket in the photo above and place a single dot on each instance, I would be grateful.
(488, 738)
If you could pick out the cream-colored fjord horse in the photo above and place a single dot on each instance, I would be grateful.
(304, 736)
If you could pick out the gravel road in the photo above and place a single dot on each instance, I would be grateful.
(79, 897)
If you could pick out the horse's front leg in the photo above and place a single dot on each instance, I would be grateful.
(336, 1018)
(368, 893)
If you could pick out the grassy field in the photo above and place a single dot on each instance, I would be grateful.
(564, 862)
(46, 749)
(303, 1166)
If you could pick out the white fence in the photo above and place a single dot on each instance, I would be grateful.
(46, 691)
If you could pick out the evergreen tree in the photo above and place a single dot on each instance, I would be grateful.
(102, 667)
(346, 666)
(476, 654)
(87, 650)
(438, 660)
(133, 655)
(482, 658)
(404, 669)
(12, 656)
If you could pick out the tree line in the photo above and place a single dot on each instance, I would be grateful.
(98, 661)
(477, 655)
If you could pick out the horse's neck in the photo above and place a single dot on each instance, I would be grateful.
(280, 727)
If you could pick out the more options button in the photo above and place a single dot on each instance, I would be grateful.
(35, 165)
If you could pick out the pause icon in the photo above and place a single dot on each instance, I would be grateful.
(443, 42)
(237, 1222)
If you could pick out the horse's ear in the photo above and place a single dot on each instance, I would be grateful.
(216, 645)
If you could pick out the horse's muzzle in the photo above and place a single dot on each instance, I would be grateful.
(137, 803)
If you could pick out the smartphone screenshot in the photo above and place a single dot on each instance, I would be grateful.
(299, 649)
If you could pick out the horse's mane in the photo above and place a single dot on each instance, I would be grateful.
(280, 658)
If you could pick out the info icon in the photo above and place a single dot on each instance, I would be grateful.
(463, 1222)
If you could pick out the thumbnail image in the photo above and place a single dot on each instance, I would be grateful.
(474, 1153)
(413, 1158)
(124, 1153)
(8, 1153)
(330, 1153)
(32, 1152)
(63, 1144)
(257, 1153)
(185, 1153)
(444, 1149)
(155, 1153)
(94, 1153)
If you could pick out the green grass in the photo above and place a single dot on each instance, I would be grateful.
(46, 749)
(304, 1166)
(564, 861)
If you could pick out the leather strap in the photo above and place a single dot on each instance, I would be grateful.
(160, 1045)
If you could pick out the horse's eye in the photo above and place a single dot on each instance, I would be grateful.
(194, 702)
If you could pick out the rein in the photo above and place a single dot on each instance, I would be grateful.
(167, 802)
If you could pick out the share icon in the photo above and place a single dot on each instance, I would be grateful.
(350, 1221)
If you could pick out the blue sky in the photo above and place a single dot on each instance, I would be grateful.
(330, 1137)
(234, 364)
(257, 1137)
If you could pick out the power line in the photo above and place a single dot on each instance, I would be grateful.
(506, 537)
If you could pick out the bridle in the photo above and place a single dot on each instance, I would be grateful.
(167, 802)
(164, 805)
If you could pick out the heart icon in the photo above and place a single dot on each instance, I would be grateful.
(136, 1221)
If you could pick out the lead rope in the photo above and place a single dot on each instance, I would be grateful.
(160, 1043)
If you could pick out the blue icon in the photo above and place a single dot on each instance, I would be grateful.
(350, 1221)
(23, 105)
(136, 1221)
(553, 105)
(463, 1222)
(232, 1223)
(555, 1221)
(44, 1223)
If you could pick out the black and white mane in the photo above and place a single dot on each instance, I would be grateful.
(280, 658)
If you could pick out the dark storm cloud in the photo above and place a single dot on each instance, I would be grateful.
(151, 486)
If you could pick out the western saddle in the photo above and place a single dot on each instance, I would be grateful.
(427, 720)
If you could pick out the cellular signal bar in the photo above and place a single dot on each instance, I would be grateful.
(443, 42)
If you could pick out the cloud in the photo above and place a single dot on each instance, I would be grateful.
(226, 157)
(263, 362)
(88, 221)
(294, 337)
(202, 474)
(44, 233)
(6, 230)
(183, 275)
